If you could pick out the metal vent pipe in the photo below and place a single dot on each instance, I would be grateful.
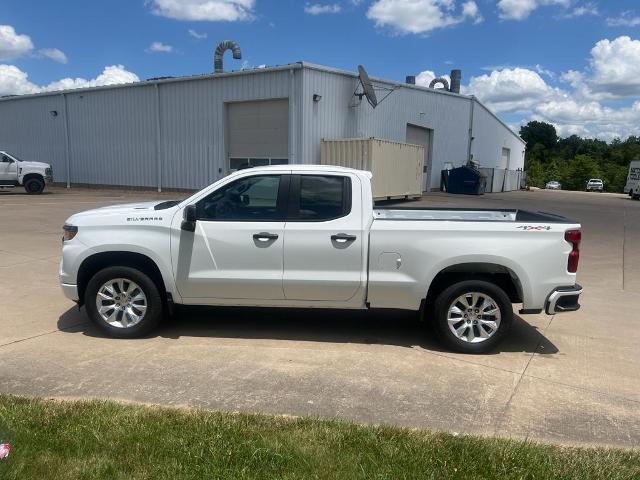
(456, 78)
(441, 80)
(220, 49)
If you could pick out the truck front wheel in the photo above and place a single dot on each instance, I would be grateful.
(472, 316)
(123, 302)
(34, 185)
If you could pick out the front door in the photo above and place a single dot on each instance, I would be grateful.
(236, 249)
(8, 170)
(323, 250)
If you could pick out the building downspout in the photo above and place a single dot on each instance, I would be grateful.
(158, 132)
(473, 104)
(66, 140)
(293, 114)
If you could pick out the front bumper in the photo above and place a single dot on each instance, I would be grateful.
(70, 291)
(563, 299)
(48, 179)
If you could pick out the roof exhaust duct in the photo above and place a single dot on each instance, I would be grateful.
(441, 80)
(456, 78)
(220, 49)
(410, 80)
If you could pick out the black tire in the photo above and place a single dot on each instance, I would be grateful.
(34, 185)
(154, 302)
(446, 298)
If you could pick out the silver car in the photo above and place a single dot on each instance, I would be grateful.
(553, 185)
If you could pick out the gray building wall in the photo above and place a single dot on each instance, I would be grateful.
(341, 115)
(490, 137)
(172, 133)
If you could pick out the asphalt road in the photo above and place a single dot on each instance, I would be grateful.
(572, 378)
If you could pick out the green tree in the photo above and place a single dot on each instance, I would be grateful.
(579, 171)
(539, 132)
(535, 173)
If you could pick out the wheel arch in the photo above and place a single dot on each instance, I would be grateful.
(500, 275)
(31, 175)
(98, 261)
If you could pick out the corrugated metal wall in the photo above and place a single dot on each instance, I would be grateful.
(29, 130)
(340, 114)
(112, 136)
(490, 137)
(117, 137)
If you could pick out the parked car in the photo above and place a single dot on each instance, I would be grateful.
(633, 180)
(310, 237)
(553, 185)
(33, 176)
(595, 185)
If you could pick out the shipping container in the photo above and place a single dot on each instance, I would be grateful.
(396, 167)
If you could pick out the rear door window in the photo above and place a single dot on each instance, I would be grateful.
(319, 198)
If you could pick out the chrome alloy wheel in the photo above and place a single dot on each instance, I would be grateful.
(474, 317)
(121, 303)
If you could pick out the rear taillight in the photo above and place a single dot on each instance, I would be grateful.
(573, 237)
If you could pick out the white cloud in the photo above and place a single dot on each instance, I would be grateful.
(54, 54)
(421, 16)
(14, 81)
(583, 103)
(616, 67)
(159, 47)
(511, 89)
(521, 9)
(204, 10)
(626, 19)
(199, 36)
(584, 10)
(12, 44)
(318, 9)
(423, 79)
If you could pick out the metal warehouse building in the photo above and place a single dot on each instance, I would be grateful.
(188, 132)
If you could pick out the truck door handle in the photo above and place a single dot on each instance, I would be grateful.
(343, 238)
(265, 236)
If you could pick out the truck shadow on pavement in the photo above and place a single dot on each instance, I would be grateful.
(398, 328)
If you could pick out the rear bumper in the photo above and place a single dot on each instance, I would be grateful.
(70, 291)
(563, 299)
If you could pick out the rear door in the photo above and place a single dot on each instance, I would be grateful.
(324, 241)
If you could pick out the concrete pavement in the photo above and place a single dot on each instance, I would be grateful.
(571, 378)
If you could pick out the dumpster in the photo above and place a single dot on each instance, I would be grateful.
(466, 180)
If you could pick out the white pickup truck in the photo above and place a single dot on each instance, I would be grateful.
(310, 236)
(33, 176)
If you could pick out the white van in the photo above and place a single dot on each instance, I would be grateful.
(633, 180)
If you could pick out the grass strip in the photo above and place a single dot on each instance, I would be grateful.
(103, 439)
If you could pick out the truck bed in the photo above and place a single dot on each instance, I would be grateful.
(466, 215)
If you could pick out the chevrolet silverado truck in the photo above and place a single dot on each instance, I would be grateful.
(33, 176)
(310, 237)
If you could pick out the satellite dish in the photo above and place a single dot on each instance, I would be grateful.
(367, 87)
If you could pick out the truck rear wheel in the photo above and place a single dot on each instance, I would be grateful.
(472, 316)
(34, 185)
(123, 302)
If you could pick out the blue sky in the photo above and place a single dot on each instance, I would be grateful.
(575, 63)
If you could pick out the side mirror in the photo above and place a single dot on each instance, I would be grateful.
(189, 218)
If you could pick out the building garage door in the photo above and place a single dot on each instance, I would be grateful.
(257, 133)
(422, 136)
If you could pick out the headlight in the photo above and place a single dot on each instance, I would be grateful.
(69, 232)
(48, 171)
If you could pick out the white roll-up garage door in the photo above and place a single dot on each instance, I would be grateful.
(257, 133)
